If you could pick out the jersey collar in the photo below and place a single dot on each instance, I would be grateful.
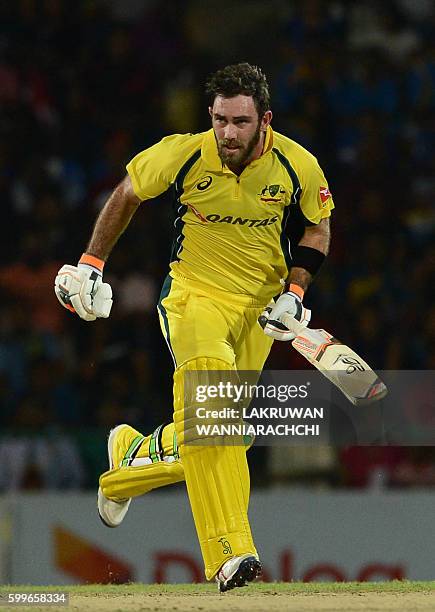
(209, 152)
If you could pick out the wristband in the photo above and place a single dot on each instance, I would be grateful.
(91, 260)
(293, 288)
(308, 258)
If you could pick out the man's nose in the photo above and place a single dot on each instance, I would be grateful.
(230, 132)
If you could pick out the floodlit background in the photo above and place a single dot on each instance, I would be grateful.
(84, 86)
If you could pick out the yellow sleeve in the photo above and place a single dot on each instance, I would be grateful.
(316, 200)
(153, 170)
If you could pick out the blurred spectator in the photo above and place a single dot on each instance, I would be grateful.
(84, 86)
(416, 469)
(40, 461)
(368, 466)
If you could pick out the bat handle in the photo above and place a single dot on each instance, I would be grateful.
(262, 320)
(288, 320)
(292, 324)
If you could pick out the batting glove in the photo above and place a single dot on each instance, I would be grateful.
(81, 289)
(277, 318)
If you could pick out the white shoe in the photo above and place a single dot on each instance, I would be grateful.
(238, 571)
(112, 512)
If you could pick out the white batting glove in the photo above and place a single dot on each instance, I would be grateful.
(81, 289)
(276, 318)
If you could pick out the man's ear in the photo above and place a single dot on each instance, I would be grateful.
(266, 120)
(210, 111)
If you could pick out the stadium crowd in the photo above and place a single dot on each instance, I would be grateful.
(86, 85)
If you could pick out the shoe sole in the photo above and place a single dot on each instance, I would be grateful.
(112, 434)
(248, 571)
(99, 514)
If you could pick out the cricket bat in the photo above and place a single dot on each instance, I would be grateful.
(337, 362)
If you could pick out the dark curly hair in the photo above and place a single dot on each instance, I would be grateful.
(240, 79)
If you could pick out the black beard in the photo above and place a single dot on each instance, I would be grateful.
(244, 154)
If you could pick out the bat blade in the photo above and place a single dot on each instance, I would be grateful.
(341, 365)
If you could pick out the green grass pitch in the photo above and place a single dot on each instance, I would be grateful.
(403, 596)
(395, 586)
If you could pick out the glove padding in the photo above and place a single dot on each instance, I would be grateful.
(81, 290)
(277, 317)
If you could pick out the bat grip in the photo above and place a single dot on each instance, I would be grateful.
(262, 320)
(292, 324)
(287, 320)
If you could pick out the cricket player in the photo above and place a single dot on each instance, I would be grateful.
(235, 188)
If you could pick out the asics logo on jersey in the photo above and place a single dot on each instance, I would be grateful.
(240, 221)
(204, 183)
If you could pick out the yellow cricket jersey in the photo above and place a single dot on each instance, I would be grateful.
(231, 232)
